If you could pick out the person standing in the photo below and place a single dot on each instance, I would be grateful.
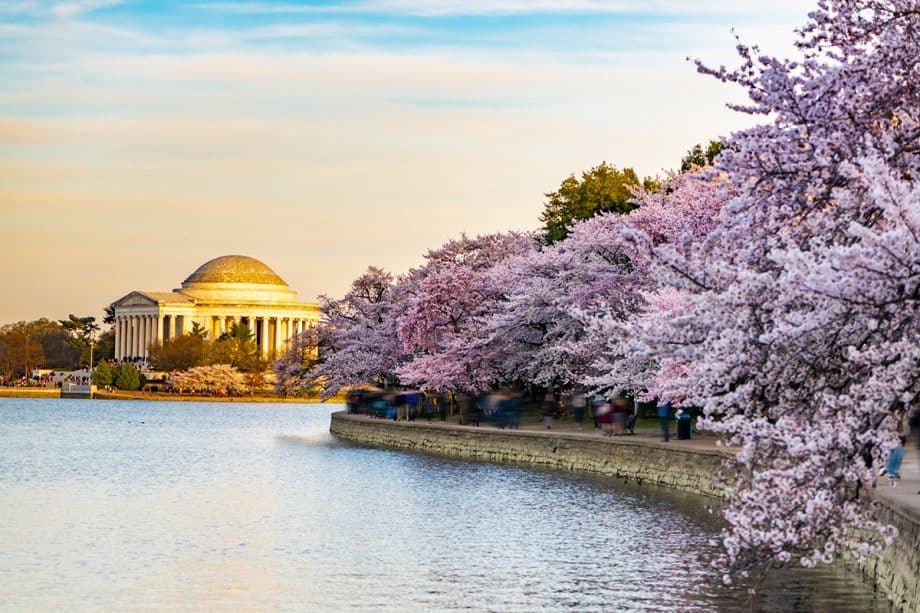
(605, 418)
(664, 416)
(578, 408)
(618, 410)
(914, 423)
(549, 409)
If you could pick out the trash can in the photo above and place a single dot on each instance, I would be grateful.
(683, 426)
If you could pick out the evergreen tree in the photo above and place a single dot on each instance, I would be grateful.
(127, 377)
(103, 374)
(604, 188)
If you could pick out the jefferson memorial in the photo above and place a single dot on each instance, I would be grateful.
(226, 290)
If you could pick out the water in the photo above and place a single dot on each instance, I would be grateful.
(149, 505)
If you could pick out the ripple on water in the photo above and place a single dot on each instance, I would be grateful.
(255, 506)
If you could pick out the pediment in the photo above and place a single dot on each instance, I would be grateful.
(135, 299)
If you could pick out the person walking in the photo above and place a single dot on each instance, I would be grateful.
(664, 416)
(895, 457)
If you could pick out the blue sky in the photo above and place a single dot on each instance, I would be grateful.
(322, 137)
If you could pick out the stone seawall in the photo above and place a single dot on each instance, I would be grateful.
(651, 462)
(897, 571)
(681, 465)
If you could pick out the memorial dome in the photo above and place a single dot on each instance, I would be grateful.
(231, 289)
(234, 269)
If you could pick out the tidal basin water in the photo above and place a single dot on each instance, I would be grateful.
(154, 505)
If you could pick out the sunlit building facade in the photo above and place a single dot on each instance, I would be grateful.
(226, 290)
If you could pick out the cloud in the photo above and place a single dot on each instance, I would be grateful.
(69, 10)
(60, 10)
(338, 30)
(446, 8)
(23, 132)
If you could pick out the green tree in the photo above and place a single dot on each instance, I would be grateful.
(237, 331)
(104, 348)
(179, 353)
(20, 352)
(109, 314)
(603, 188)
(82, 332)
(55, 341)
(697, 156)
(103, 374)
(198, 331)
(127, 377)
(237, 348)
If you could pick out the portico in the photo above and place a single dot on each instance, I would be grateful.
(221, 292)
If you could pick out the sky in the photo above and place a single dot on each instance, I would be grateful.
(139, 139)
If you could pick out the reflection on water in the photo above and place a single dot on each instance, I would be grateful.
(198, 505)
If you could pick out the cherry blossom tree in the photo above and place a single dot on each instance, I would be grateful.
(355, 343)
(449, 296)
(669, 226)
(221, 379)
(798, 334)
(532, 332)
(295, 371)
(779, 292)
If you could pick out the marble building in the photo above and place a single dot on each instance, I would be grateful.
(226, 290)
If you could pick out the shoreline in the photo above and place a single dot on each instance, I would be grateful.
(689, 465)
(44, 392)
(30, 392)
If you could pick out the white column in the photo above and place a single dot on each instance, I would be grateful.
(158, 331)
(277, 337)
(141, 334)
(118, 337)
(132, 337)
(142, 320)
(148, 337)
(264, 347)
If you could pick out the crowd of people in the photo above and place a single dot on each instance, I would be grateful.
(503, 408)
(140, 363)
